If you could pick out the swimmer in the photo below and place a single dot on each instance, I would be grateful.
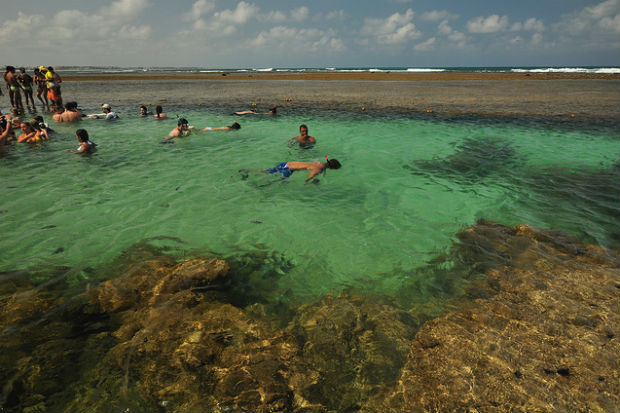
(234, 126)
(107, 113)
(143, 111)
(303, 139)
(70, 114)
(272, 111)
(182, 129)
(86, 146)
(158, 113)
(286, 169)
(30, 135)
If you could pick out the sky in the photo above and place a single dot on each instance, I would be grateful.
(293, 34)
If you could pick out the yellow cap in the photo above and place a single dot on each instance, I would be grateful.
(42, 68)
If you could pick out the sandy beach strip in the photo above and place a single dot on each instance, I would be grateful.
(592, 96)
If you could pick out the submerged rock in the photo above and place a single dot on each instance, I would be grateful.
(544, 341)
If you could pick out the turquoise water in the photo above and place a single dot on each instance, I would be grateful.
(406, 187)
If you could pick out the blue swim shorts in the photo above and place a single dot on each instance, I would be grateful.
(282, 169)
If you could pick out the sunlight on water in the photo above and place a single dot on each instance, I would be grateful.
(406, 187)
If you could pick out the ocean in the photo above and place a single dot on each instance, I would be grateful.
(407, 186)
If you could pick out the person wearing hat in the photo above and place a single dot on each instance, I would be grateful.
(107, 113)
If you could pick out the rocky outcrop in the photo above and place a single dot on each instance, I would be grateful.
(534, 330)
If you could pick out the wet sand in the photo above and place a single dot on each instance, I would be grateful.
(455, 93)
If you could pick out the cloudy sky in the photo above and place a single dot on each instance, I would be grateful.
(321, 33)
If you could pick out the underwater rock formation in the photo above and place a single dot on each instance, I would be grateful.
(537, 332)
(546, 340)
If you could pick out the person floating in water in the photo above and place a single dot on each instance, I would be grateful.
(158, 113)
(304, 140)
(107, 113)
(272, 111)
(286, 169)
(234, 126)
(86, 146)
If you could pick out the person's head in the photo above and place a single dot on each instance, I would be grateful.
(81, 135)
(26, 127)
(235, 126)
(36, 71)
(332, 163)
(182, 123)
(158, 109)
(3, 124)
(10, 69)
(50, 69)
(273, 109)
(106, 108)
(143, 110)
(303, 130)
(71, 106)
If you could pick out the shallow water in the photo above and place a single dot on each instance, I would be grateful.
(407, 185)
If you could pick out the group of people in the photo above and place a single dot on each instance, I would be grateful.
(46, 81)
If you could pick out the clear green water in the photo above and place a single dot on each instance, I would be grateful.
(406, 187)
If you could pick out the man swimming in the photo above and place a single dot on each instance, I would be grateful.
(286, 169)
(182, 129)
(303, 139)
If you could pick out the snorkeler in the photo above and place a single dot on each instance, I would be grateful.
(182, 129)
(303, 139)
(86, 146)
(286, 169)
(272, 111)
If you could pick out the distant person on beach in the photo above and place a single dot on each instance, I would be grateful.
(182, 129)
(286, 169)
(234, 126)
(70, 114)
(107, 113)
(26, 84)
(143, 111)
(14, 88)
(304, 140)
(86, 146)
(39, 79)
(158, 113)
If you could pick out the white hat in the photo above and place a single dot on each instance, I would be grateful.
(105, 106)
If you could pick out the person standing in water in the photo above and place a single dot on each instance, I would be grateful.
(86, 146)
(304, 140)
(26, 83)
(39, 79)
(14, 87)
(158, 113)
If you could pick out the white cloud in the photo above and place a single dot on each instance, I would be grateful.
(602, 17)
(436, 15)
(199, 8)
(491, 24)
(274, 17)
(532, 25)
(295, 39)
(300, 14)
(444, 29)
(537, 39)
(396, 29)
(610, 24)
(336, 14)
(425, 46)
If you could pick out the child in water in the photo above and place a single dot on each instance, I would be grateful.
(86, 146)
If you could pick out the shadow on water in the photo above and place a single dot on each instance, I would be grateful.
(475, 159)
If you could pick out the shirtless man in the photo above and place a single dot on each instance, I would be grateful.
(70, 114)
(315, 168)
(26, 83)
(303, 139)
(13, 85)
(182, 129)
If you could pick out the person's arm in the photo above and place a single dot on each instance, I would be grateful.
(312, 174)
(24, 137)
(95, 115)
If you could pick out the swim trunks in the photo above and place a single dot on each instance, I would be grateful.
(282, 169)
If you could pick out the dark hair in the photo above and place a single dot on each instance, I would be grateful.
(235, 126)
(303, 126)
(143, 107)
(182, 121)
(10, 69)
(50, 68)
(158, 109)
(82, 134)
(333, 164)
(71, 105)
